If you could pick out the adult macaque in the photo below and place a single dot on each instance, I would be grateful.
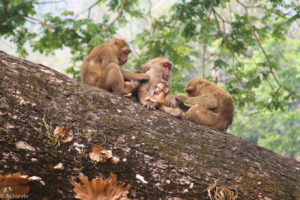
(101, 68)
(210, 105)
(159, 70)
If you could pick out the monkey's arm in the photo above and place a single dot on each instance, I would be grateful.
(134, 76)
(143, 69)
(207, 101)
(172, 111)
(150, 99)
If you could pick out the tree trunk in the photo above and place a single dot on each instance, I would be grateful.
(161, 157)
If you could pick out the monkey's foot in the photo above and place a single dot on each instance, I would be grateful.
(129, 83)
(149, 105)
(177, 113)
(127, 95)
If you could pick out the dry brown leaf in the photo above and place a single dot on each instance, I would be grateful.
(221, 193)
(63, 133)
(99, 189)
(14, 186)
(99, 154)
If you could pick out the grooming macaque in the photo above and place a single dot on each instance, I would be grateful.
(102, 68)
(159, 70)
(210, 105)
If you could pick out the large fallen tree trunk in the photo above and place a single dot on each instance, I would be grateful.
(161, 157)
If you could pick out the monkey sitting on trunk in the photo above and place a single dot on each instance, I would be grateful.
(210, 104)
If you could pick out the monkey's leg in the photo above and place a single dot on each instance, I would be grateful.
(202, 116)
(134, 76)
(113, 80)
(172, 111)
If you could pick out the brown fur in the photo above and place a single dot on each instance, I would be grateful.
(210, 105)
(158, 74)
(101, 68)
(155, 71)
(159, 95)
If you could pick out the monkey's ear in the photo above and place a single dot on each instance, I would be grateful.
(166, 90)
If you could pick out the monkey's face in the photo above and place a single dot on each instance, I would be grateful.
(191, 88)
(161, 88)
(190, 92)
(123, 56)
(166, 67)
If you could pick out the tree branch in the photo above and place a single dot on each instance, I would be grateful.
(119, 15)
(4, 13)
(216, 13)
(221, 33)
(89, 8)
(149, 12)
(39, 21)
(260, 45)
(204, 39)
(160, 156)
(50, 2)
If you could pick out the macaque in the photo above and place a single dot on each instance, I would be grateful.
(210, 105)
(159, 70)
(102, 68)
(160, 93)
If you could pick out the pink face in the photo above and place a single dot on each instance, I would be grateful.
(124, 55)
(161, 87)
(167, 66)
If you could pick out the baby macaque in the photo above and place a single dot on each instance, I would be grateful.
(161, 91)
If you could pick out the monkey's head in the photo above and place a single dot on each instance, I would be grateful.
(195, 86)
(164, 65)
(122, 49)
(161, 87)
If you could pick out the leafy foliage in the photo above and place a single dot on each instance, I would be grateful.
(252, 50)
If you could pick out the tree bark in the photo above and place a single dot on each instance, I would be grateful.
(177, 159)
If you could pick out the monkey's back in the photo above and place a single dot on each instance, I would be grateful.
(225, 107)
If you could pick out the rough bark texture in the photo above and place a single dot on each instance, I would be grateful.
(178, 159)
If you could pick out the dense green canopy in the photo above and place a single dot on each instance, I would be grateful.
(251, 48)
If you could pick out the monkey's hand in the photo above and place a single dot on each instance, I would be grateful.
(144, 68)
(149, 105)
(176, 112)
(181, 99)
